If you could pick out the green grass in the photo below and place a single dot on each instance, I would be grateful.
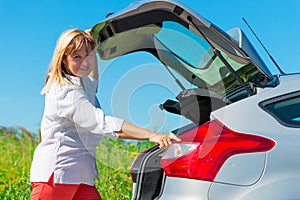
(114, 159)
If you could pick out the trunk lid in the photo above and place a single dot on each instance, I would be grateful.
(184, 41)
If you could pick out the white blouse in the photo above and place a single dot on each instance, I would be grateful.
(71, 128)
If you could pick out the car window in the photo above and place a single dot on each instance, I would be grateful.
(285, 109)
(197, 57)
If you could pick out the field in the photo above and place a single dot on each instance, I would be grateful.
(114, 159)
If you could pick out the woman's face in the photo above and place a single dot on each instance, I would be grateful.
(80, 63)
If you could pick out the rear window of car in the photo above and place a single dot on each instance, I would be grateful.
(285, 109)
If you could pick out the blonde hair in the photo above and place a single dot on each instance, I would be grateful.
(68, 43)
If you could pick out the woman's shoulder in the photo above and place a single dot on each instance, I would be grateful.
(61, 92)
(66, 84)
(84, 85)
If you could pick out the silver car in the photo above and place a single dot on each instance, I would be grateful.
(244, 134)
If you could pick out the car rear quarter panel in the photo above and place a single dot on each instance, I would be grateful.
(281, 174)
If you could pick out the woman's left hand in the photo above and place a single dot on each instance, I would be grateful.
(164, 140)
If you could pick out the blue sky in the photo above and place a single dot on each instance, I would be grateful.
(29, 30)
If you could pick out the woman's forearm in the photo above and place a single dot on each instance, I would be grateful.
(131, 131)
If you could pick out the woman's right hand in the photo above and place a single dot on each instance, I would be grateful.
(131, 131)
(163, 140)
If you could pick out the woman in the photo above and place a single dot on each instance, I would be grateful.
(64, 165)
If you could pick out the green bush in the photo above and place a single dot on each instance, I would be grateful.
(16, 149)
(114, 158)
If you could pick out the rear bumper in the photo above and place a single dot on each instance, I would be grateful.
(181, 188)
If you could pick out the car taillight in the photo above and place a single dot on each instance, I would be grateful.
(203, 150)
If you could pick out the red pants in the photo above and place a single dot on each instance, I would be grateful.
(52, 191)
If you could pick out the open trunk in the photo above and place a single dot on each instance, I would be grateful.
(222, 67)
